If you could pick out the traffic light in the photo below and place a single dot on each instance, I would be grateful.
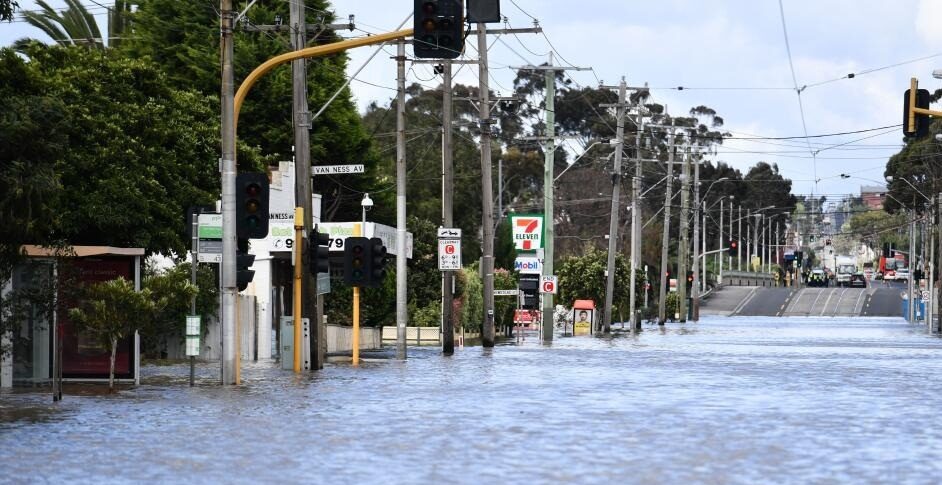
(318, 254)
(376, 263)
(827, 242)
(355, 261)
(689, 281)
(251, 205)
(530, 286)
(667, 279)
(244, 275)
(920, 122)
(733, 247)
(439, 29)
(811, 236)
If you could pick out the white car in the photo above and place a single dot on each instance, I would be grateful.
(902, 274)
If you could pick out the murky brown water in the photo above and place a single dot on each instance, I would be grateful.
(723, 401)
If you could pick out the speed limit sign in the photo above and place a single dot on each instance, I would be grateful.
(548, 284)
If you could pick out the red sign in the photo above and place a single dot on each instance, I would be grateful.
(83, 356)
(449, 249)
(549, 287)
(527, 316)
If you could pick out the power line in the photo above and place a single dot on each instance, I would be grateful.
(801, 108)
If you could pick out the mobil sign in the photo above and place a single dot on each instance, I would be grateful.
(527, 231)
(528, 265)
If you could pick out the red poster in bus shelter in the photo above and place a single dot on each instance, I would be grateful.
(82, 356)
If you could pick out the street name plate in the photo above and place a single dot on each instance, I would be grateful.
(506, 292)
(337, 169)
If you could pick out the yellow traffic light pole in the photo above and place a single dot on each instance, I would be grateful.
(913, 110)
(317, 51)
(250, 80)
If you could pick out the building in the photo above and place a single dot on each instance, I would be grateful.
(873, 196)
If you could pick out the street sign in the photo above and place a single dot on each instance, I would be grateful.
(548, 284)
(340, 231)
(449, 254)
(336, 169)
(209, 231)
(449, 249)
(192, 335)
(925, 296)
(506, 292)
(323, 283)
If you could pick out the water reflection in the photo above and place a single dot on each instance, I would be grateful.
(721, 401)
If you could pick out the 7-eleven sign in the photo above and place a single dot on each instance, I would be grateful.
(527, 231)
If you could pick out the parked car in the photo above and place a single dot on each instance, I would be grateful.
(818, 278)
(858, 279)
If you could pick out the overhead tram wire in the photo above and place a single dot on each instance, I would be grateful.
(801, 108)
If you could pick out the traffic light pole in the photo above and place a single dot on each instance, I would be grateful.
(448, 188)
(228, 265)
(665, 237)
(402, 314)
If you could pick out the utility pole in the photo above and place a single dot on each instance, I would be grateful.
(684, 251)
(448, 189)
(636, 222)
(228, 265)
(739, 233)
(695, 288)
(302, 171)
(402, 315)
(719, 245)
(912, 259)
(665, 237)
(487, 213)
(616, 195)
(729, 259)
(549, 150)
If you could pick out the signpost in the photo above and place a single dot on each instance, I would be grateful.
(548, 284)
(449, 249)
(336, 169)
(209, 231)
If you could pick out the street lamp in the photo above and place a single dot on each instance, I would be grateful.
(367, 204)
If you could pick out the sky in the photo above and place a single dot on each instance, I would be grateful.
(730, 55)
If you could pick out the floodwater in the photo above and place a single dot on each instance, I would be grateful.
(734, 400)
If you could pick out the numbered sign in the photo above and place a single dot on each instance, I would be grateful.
(449, 249)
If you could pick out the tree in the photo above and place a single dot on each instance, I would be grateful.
(182, 38)
(132, 152)
(110, 311)
(173, 290)
(583, 278)
(76, 26)
(7, 7)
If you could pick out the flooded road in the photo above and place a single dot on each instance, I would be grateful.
(727, 400)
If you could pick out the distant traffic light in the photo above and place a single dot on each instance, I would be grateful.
(251, 205)
(732, 250)
(439, 29)
(918, 126)
(827, 242)
(318, 253)
(689, 281)
(244, 275)
(667, 279)
(354, 261)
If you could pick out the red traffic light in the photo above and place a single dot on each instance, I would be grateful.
(429, 8)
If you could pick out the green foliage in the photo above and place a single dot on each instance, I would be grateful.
(128, 155)
(583, 278)
(172, 291)
(7, 7)
(110, 311)
(504, 306)
(878, 227)
(471, 314)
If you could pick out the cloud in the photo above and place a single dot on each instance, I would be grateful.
(928, 14)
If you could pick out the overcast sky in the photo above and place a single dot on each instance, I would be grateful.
(736, 48)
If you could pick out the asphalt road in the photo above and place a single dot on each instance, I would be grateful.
(878, 300)
(769, 302)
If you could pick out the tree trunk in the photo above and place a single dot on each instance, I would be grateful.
(114, 350)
